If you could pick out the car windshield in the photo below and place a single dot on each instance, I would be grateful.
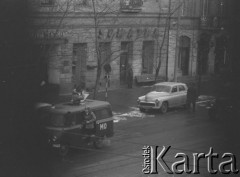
(161, 88)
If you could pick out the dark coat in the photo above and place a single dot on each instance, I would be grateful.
(191, 94)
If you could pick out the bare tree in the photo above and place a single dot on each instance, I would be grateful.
(160, 45)
(101, 12)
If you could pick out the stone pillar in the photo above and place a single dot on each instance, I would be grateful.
(171, 55)
(137, 57)
(115, 62)
(65, 69)
(92, 62)
(54, 64)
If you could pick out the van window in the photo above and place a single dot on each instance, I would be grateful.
(70, 119)
(80, 117)
(103, 113)
(55, 120)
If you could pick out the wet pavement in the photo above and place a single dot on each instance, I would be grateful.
(182, 129)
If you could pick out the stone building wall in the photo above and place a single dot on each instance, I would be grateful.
(78, 27)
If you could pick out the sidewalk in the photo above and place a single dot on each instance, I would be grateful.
(122, 99)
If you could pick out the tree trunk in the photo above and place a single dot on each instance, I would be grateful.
(99, 68)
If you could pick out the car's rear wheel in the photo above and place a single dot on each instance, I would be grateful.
(142, 110)
(164, 107)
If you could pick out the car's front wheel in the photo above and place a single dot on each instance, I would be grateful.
(164, 107)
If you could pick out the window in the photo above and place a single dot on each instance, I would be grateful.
(47, 2)
(181, 88)
(105, 52)
(174, 89)
(161, 88)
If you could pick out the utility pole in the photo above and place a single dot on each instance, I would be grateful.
(177, 41)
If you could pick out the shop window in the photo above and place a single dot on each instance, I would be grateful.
(147, 57)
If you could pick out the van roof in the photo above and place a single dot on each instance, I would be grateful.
(65, 107)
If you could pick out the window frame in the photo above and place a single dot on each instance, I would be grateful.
(184, 89)
(174, 88)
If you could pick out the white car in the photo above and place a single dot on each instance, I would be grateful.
(164, 95)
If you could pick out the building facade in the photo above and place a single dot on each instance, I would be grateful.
(184, 38)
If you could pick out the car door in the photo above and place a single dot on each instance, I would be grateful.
(182, 94)
(174, 98)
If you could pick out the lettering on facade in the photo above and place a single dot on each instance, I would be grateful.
(120, 32)
(155, 33)
(110, 34)
(139, 32)
(100, 34)
(49, 35)
(146, 32)
(130, 33)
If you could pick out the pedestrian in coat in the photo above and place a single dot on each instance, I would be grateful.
(129, 77)
(191, 97)
(89, 121)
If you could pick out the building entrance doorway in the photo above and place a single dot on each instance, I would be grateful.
(147, 57)
(79, 64)
(184, 51)
(125, 58)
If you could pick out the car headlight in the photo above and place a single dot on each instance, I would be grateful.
(157, 102)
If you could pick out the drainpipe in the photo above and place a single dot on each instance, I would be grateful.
(169, 20)
(177, 43)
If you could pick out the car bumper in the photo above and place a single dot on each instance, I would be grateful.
(149, 105)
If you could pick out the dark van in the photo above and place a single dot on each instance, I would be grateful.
(63, 124)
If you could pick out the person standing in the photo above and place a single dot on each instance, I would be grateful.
(191, 96)
(89, 121)
(129, 77)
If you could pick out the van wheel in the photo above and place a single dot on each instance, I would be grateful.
(164, 107)
(63, 150)
(98, 144)
(142, 110)
(212, 113)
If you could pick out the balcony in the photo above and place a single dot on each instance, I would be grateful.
(131, 6)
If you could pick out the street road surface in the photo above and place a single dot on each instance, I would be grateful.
(183, 130)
